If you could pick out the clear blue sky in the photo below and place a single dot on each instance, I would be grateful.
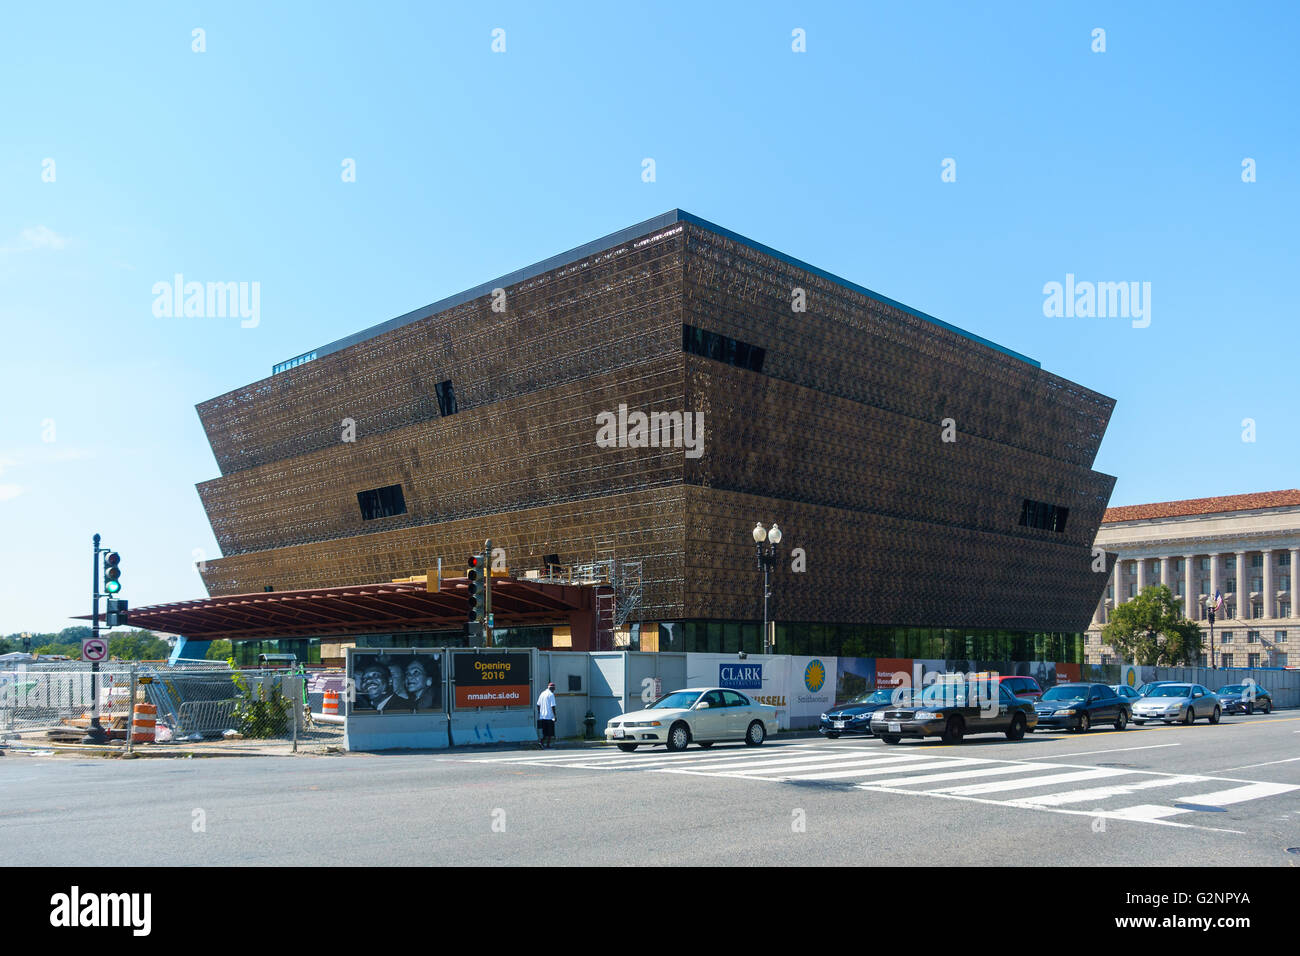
(225, 166)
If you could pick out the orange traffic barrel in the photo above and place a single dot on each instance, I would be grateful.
(142, 723)
(331, 705)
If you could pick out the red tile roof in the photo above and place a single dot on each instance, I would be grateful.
(1203, 506)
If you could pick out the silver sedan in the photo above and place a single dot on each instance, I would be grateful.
(1177, 702)
(702, 715)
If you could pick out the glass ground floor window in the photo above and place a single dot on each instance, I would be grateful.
(308, 649)
(863, 640)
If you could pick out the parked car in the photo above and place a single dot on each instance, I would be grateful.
(1079, 706)
(1026, 688)
(854, 716)
(702, 715)
(1172, 702)
(946, 710)
(1244, 698)
(1149, 686)
(1129, 694)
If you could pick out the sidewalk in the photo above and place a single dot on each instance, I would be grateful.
(280, 748)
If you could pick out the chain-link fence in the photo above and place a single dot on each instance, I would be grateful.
(143, 704)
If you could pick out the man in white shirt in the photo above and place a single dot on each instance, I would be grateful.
(546, 714)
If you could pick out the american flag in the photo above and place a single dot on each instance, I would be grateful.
(1218, 600)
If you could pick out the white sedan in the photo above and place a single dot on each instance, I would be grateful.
(703, 715)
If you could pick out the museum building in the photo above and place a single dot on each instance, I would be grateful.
(631, 409)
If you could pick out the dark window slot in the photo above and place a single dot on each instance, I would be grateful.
(381, 502)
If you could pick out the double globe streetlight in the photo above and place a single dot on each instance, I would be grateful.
(766, 561)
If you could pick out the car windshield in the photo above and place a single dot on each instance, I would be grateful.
(1232, 689)
(1147, 690)
(678, 699)
(881, 696)
(1171, 690)
(948, 692)
(1067, 692)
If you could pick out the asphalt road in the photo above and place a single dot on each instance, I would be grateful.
(1221, 796)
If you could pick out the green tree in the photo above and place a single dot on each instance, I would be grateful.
(68, 650)
(137, 645)
(1151, 629)
(220, 650)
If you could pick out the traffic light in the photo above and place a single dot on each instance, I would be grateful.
(112, 573)
(116, 615)
(474, 599)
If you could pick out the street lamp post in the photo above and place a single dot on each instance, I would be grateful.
(767, 561)
(1210, 611)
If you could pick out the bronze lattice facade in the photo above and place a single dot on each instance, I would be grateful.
(824, 409)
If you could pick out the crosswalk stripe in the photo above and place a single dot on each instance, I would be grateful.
(960, 774)
(915, 763)
(703, 758)
(618, 755)
(773, 761)
(1219, 798)
(861, 765)
(1223, 798)
(1105, 793)
(1144, 812)
(1049, 780)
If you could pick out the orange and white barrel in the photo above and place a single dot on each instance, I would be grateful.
(331, 705)
(143, 722)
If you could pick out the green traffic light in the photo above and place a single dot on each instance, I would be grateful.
(112, 587)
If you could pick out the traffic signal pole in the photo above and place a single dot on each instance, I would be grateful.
(487, 590)
(95, 735)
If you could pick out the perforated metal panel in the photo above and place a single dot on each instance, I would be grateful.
(839, 439)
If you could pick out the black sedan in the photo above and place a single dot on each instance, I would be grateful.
(1245, 699)
(1079, 706)
(1130, 694)
(854, 717)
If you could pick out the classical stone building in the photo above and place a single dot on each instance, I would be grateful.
(646, 399)
(1243, 547)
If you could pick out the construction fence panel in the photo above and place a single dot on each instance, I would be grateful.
(174, 703)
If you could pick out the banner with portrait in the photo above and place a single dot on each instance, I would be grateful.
(397, 682)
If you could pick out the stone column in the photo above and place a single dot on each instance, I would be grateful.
(1269, 597)
(1189, 587)
(1214, 575)
(1115, 576)
(1243, 588)
(1294, 570)
(1142, 574)
(1166, 578)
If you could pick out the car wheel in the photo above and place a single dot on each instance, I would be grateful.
(678, 737)
(956, 729)
(1268, 707)
(627, 748)
(1017, 728)
(832, 736)
(706, 744)
(1214, 717)
(756, 733)
(1085, 723)
(891, 738)
(1122, 720)
(1190, 717)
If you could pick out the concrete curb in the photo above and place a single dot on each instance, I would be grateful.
(309, 749)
